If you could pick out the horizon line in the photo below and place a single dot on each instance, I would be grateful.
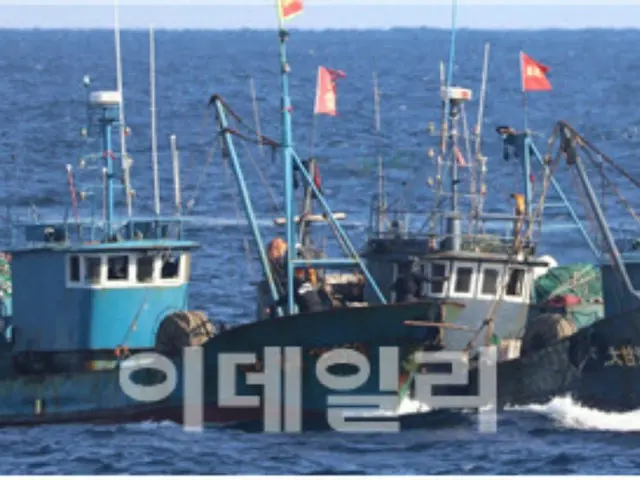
(316, 29)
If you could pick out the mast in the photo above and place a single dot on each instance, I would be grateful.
(453, 224)
(176, 175)
(109, 103)
(480, 160)
(154, 140)
(451, 113)
(289, 157)
(382, 203)
(123, 143)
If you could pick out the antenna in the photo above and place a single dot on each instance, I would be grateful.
(453, 224)
(256, 114)
(479, 157)
(154, 140)
(124, 159)
(382, 204)
(176, 173)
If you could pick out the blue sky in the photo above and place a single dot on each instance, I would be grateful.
(216, 14)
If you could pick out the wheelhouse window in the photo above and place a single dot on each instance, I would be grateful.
(438, 272)
(74, 268)
(118, 268)
(515, 284)
(464, 280)
(170, 267)
(92, 270)
(489, 281)
(145, 268)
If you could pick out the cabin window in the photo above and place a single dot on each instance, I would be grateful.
(92, 270)
(515, 284)
(464, 280)
(170, 267)
(438, 272)
(145, 269)
(489, 281)
(118, 268)
(74, 268)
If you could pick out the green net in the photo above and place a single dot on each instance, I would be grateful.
(581, 279)
(5, 277)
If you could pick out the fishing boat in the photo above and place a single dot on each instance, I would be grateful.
(596, 366)
(501, 278)
(94, 287)
(513, 296)
(112, 338)
(351, 328)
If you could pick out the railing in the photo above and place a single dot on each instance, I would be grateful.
(68, 231)
(421, 226)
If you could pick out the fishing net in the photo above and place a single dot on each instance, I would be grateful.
(5, 277)
(580, 279)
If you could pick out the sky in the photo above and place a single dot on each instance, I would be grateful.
(321, 14)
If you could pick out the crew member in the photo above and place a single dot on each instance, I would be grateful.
(408, 287)
(305, 295)
(277, 256)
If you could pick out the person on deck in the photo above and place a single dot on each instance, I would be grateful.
(305, 295)
(277, 256)
(409, 287)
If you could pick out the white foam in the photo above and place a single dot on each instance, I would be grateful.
(569, 414)
(406, 407)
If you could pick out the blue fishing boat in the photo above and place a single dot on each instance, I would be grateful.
(111, 337)
(93, 288)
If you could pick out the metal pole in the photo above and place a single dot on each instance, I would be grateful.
(176, 174)
(244, 191)
(154, 140)
(287, 156)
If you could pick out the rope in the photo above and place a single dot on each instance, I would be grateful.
(236, 201)
(201, 177)
(275, 206)
(239, 119)
(580, 140)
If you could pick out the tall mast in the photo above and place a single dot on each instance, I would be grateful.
(287, 157)
(175, 157)
(123, 143)
(154, 139)
(382, 204)
(480, 159)
(290, 156)
(453, 223)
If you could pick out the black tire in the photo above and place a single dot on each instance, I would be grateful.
(183, 329)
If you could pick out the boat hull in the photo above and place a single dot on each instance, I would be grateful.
(98, 396)
(598, 367)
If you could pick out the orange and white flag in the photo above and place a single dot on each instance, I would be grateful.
(326, 92)
(288, 9)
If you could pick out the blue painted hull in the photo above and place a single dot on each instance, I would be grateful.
(97, 396)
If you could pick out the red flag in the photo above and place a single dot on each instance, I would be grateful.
(326, 91)
(289, 8)
(317, 180)
(533, 74)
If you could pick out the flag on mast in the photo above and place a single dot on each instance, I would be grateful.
(287, 9)
(533, 74)
(326, 91)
